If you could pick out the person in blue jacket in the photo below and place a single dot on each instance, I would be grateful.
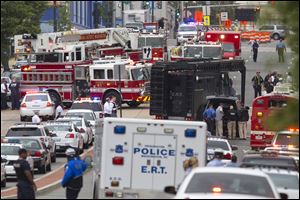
(73, 177)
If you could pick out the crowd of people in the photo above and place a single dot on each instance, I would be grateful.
(14, 89)
(267, 84)
(233, 117)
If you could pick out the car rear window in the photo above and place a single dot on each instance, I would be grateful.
(87, 116)
(75, 122)
(287, 181)
(270, 161)
(36, 98)
(89, 106)
(55, 128)
(230, 183)
(211, 144)
(24, 132)
(10, 150)
(30, 144)
(287, 139)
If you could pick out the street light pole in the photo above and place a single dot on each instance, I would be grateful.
(122, 7)
(54, 17)
(152, 2)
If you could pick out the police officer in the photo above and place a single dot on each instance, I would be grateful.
(15, 94)
(74, 169)
(217, 161)
(26, 186)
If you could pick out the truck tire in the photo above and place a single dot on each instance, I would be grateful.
(43, 169)
(113, 94)
(133, 104)
(276, 36)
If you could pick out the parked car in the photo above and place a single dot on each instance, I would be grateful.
(276, 31)
(65, 135)
(3, 172)
(40, 102)
(214, 143)
(90, 104)
(225, 183)
(37, 131)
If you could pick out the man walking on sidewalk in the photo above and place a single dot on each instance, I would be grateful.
(280, 48)
(257, 82)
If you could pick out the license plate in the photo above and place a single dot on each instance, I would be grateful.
(258, 137)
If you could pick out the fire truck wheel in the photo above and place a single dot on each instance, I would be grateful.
(133, 104)
(113, 94)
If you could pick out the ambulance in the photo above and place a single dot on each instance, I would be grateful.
(140, 157)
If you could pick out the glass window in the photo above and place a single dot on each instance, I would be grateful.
(86, 105)
(230, 183)
(99, 74)
(24, 132)
(141, 42)
(211, 144)
(36, 98)
(30, 144)
(281, 27)
(55, 128)
(110, 74)
(187, 28)
(228, 47)
(285, 181)
(86, 116)
(212, 52)
(10, 150)
(270, 161)
(287, 139)
(72, 56)
(277, 103)
(51, 57)
(78, 53)
(154, 41)
(192, 52)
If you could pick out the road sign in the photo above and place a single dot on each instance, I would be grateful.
(147, 53)
(206, 21)
(224, 16)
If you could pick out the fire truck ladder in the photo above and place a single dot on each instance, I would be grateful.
(47, 77)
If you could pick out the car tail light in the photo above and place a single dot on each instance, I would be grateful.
(216, 189)
(227, 156)
(37, 154)
(81, 130)
(23, 105)
(70, 135)
(118, 160)
(109, 194)
(49, 104)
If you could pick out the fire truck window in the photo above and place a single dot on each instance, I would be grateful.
(141, 42)
(78, 53)
(42, 44)
(154, 42)
(72, 56)
(110, 74)
(99, 74)
(66, 56)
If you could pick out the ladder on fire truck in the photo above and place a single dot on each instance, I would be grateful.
(47, 77)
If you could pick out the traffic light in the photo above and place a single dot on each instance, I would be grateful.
(146, 4)
(158, 4)
(177, 13)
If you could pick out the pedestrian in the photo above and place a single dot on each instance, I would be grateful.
(59, 111)
(26, 187)
(257, 82)
(255, 47)
(219, 120)
(217, 160)
(161, 23)
(108, 107)
(280, 48)
(4, 91)
(243, 117)
(209, 116)
(114, 108)
(275, 78)
(233, 162)
(15, 94)
(35, 118)
(73, 177)
(268, 76)
(231, 124)
(269, 86)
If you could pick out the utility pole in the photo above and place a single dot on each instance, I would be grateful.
(186, 7)
(152, 4)
(120, 90)
(122, 8)
(54, 17)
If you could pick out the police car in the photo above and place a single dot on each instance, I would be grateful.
(187, 32)
(140, 155)
(3, 172)
(214, 143)
(226, 183)
(65, 135)
(93, 104)
(83, 125)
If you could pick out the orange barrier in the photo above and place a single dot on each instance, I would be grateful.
(262, 37)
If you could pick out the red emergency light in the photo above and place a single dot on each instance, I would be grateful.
(118, 160)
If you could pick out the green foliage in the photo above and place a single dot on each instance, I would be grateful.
(64, 21)
(18, 17)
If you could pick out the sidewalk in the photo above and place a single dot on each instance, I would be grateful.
(45, 183)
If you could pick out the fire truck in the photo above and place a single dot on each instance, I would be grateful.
(121, 78)
(231, 41)
(199, 50)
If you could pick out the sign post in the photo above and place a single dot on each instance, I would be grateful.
(120, 89)
(224, 16)
(206, 19)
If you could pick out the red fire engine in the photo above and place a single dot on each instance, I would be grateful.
(231, 41)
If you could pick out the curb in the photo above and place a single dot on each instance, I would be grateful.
(50, 187)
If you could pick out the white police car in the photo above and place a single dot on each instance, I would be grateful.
(187, 32)
(215, 143)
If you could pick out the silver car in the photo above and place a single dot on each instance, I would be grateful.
(276, 31)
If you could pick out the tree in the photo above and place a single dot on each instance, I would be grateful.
(64, 21)
(18, 17)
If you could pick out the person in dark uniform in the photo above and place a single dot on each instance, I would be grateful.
(74, 170)
(257, 82)
(255, 46)
(26, 186)
(15, 94)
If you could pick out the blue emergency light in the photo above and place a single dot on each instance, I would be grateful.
(190, 133)
(96, 98)
(119, 129)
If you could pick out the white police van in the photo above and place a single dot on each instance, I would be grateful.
(140, 157)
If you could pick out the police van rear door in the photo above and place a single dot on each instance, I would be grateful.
(154, 157)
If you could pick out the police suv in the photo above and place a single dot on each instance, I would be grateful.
(140, 157)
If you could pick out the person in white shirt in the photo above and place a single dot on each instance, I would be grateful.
(108, 108)
(4, 91)
(219, 120)
(36, 119)
(59, 112)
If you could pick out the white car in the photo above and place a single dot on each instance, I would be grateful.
(89, 104)
(65, 135)
(40, 102)
(3, 172)
(285, 181)
(9, 151)
(187, 32)
(214, 143)
(226, 183)
(89, 115)
(84, 128)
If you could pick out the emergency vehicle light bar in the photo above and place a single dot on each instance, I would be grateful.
(120, 129)
(190, 133)
(294, 129)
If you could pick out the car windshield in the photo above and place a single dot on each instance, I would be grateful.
(230, 183)
(10, 150)
(287, 139)
(30, 144)
(150, 41)
(140, 74)
(228, 47)
(270, 161)
(86, 115)
(87, 105)
(212, 52)
(211, 144)
(187, 28)
(193, 52)
(28, 131)
(58, 127)
(36, 98)
(285, 181)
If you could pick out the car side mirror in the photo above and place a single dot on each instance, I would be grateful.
(234, 148)
(283, 196)
(170, 190)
